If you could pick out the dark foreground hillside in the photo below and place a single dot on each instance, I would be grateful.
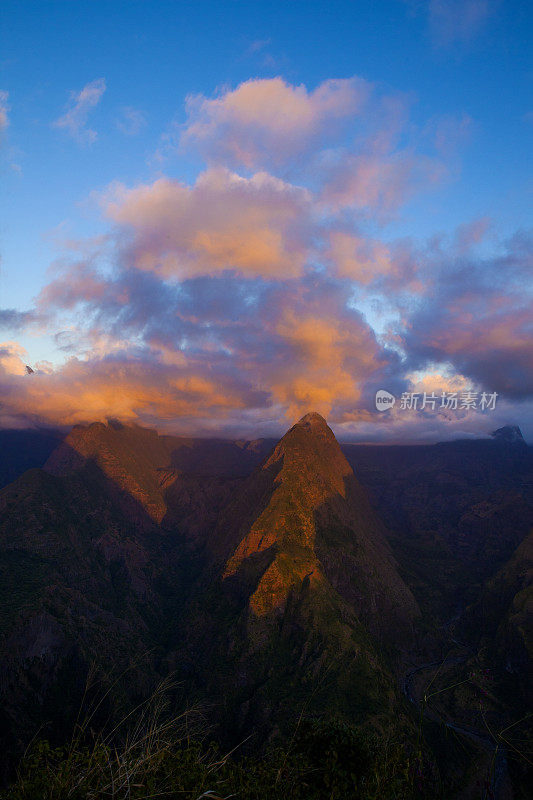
(346, 621)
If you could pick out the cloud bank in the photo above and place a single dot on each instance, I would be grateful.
(269, 286)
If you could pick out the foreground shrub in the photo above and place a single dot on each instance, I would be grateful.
(152, 755)
(319, 767)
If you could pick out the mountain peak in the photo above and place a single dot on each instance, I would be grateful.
(128, 457)
(304, 518)
(312, 423)
(509, 433)
(312, 418)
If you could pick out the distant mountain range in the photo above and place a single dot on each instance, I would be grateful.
(272, 579)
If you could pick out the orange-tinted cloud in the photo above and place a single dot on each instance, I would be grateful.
(224, 222)
(125, 388)
(327, 360)
(215, 305)
(379, 182)
(266, 121)
(206, 348)
(360, 258)
(12, 356)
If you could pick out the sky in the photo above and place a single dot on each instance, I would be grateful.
(218, 216)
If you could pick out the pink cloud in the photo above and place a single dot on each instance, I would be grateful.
(379, 183)
(266, 121)
(254, 226)
(74, 120)
(449, 133)
(472, 233)
(359, 258)
(4, 111)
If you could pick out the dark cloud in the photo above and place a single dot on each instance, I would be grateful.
(477, 315)
(17, 321)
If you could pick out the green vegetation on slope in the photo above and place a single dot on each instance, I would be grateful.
(323, 761)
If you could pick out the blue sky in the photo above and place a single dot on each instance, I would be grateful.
(462, 70)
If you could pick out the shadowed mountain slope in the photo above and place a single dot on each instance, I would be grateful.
(128, 456)
(77, 587)
(454, 511)
(505, 612)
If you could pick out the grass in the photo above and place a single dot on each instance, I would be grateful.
(152, 753)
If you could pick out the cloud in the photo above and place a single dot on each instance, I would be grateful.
(256, 46)
(12, 356)
(266, 121)
(17, 320)
(327, 352)
(74, 120)
(362, 259)
(471, 233)
(253, 226)
(131, 121)
(127, 388)
(453, 21)
(379, 183)
(348, 140)
(4, 111)
(225, 352)
(261, 347)
(477, 315)
(215, 305)
(449, 132)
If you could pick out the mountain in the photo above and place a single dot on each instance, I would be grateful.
(270, 579)
(509, 433)
(307, 515)
(76, 589)
(454, 512)
(127, 456)
(505, 610)
(298, 583)
(111, 550)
